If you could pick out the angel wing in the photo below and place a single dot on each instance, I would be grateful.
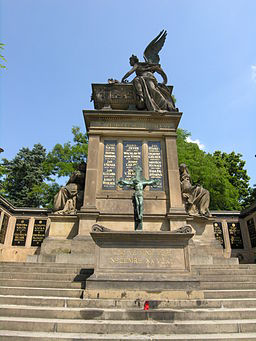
(153, 48)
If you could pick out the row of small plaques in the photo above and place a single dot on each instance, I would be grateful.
(252, 232)
(21, 229)
(235, 235)
(132, 156)
(3, 229)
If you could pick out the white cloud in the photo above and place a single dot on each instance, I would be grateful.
(200, 145)
(253, 74)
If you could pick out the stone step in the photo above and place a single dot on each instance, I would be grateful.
(45, 264)
(9, 335)
(206, 285)
(168, 315)
(220, 294)
(125, 304)
(45, 276)
(127, 326)
(229, 272)
(45, 292)
(227, 278)
(39, 283)
(38, 269)
(225, 266)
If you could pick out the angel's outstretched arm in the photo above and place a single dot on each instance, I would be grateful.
(129, 73)
(162, 73)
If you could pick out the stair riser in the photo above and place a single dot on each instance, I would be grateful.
(43, 277)
(115, 338)
(105, 327)
(41, 292)
(229, 294)
(45, 270)
(225, 272)
(101, 304)
(39, 284)
(226, 286)
(100, 314)
(231, 278)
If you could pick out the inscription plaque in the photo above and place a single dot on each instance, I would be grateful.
(132, 157)
(109, 165)
(219, 233)
(4, 228)
(38, 232)
(252, 231)
(155, 164)
(235, 236)
(137, 258)
(20, 232)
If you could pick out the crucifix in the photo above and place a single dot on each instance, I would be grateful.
(138, 183)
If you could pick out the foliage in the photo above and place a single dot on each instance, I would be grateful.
(2, 59)
(221, 173)
(21, 175)
(237, 174)
(64, 159)
(29, 179)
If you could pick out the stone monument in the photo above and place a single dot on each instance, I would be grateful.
(134, 124)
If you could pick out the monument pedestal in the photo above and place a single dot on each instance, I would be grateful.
(141, 261)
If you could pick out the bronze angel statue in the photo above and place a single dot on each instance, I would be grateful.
(151, 95)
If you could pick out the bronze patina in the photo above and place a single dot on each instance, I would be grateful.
(138, 183)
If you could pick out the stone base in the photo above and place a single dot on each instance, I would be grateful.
(141, 260)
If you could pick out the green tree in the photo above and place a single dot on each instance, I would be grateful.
(30, 178)
(2, 59)
(237, 175)
(22, 175)
(207, 172)
(64, 159)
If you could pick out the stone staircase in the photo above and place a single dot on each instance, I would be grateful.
(45, 302)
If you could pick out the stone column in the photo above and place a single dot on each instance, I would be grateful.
(30, 232)
(91, 174)
(227, 250)
(88, 214)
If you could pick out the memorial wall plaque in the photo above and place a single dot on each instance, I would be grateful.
(235, 236)
(4, 228)
(109, 165)
(252, 231)
(155, 164)
(132, 157)
(20, 232)
(219, 233)
(38, 232)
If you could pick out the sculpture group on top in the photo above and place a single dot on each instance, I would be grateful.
(151, 95)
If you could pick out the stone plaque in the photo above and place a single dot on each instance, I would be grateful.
(109, 165)
(235, 236)
(4, 228)
(132, 156)
(20, 232)
(252, 231)
(155, 170)
(38, 232)
(219, 233)
(142, 259)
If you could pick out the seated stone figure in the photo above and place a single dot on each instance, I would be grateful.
(197, 199)
(69, 199)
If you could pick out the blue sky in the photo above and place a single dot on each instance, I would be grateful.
(55, 49)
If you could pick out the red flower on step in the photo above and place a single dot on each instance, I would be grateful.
(146, 305)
